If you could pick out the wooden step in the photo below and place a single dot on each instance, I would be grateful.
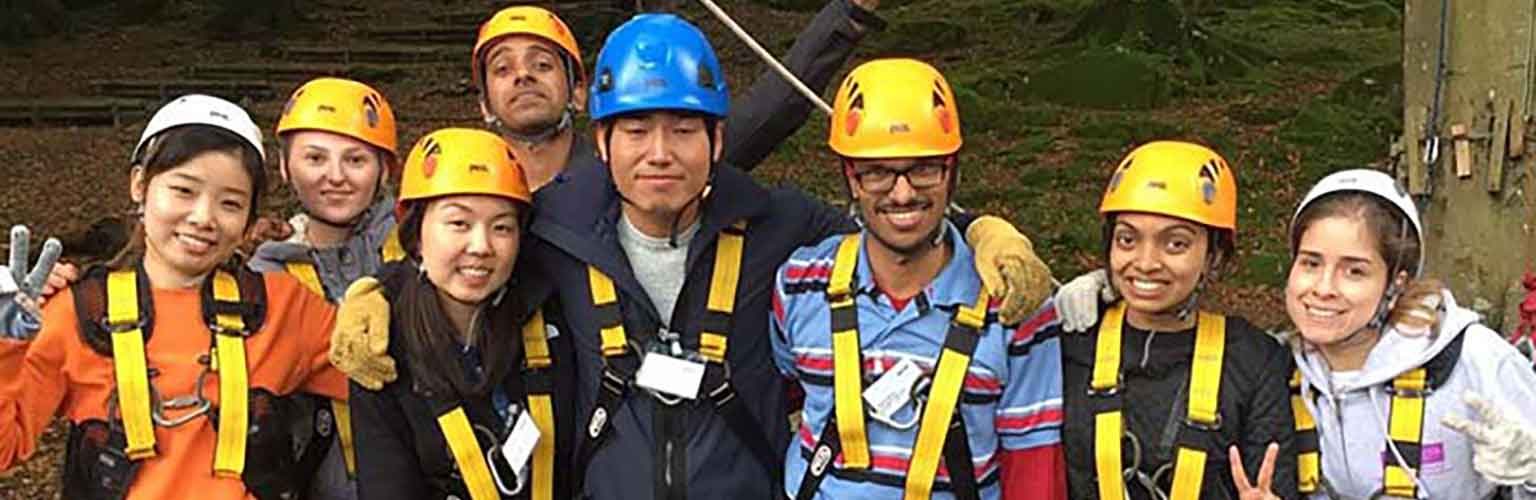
(444, 34)
(233, 90)
(289, 73)
(74, 111)
(385, 54)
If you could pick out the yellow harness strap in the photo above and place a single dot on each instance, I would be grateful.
(1204, 394)
(1108, 426)
(1204, 391)
(467, 454)
(307, 276)
(606, 300)
(228, 361)
(541, 406)
(128, 362)
(1308, 458)
(954, 362)
(1405, 429)
(391, 250)
(722, 291)
(847, 362)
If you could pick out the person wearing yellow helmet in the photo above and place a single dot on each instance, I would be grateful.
(468, 393)
(988, 401)
(527, 65)
(1164, 399)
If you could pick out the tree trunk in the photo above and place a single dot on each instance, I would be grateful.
(1479, 206)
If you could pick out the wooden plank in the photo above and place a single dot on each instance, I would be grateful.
(1517, 124)
(1498, 152)
(1463, 151)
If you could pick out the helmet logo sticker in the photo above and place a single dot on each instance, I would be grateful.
(476, 167)
(1208, 173)
(216, 114)
(1157, 185)
(326, 108)
(899, 128)
(371, 111)
(429, 164)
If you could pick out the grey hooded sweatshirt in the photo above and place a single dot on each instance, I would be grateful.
(1352, 410)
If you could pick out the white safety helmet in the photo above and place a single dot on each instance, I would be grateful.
(1367, 181)
(198, 109)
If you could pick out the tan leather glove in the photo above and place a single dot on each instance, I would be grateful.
(360, 342)
(1009, 268)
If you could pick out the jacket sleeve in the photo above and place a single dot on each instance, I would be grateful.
(387, 466)
(33, 382)
(1269, 420)
(772, 110)
(308, 317)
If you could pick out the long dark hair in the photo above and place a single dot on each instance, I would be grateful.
(430, 345)
(172, 148)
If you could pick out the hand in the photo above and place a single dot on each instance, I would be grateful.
(62, 276)
(1502, 450)
(20, 314)
(1077, 302)
(1247, 490)
(360, 342)
(1009, 268)
(263, 230)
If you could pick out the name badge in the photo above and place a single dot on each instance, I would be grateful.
(669, 375)
(894, 389)
(519, 445)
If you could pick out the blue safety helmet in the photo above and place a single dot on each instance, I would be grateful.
(657, 62)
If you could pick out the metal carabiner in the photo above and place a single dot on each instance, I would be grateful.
(198, 404)
(490, 462)
(919, 396)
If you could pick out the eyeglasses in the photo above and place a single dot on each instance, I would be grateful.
(880, 180)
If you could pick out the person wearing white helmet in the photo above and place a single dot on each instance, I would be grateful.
(1411, 395)
(1399, 391)
(172, 364)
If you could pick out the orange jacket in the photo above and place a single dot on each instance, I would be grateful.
(58, 374)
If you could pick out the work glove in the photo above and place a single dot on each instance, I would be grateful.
(360, 342)
(1077, 302)
(1502, 450)
(1009, 268)
(20, 315)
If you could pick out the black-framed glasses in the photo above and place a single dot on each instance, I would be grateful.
(922, 175)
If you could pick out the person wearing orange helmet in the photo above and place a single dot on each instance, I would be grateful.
(466, 418)
(898, 305)
(1164, 399)
(528, 68)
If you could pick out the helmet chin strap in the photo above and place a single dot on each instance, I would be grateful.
(539, 137)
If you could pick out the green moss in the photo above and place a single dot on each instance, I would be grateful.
(1103, 78)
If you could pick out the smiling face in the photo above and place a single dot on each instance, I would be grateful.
(468, 245)
(901, 200)
(527, 86)
(660, 161)
(1337, 279)
(335, 176)
(1156, 261)
(194, 215)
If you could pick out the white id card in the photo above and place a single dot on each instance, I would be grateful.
(519, 445)
(894, 389)
(669, 375)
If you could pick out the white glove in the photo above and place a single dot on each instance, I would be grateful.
(1077, 302)
(1502, 450)
(19, 314)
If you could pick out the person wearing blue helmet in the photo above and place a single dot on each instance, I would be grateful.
(660, 260)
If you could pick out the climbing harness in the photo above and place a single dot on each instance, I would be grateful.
(939, 433)
(1201, 426)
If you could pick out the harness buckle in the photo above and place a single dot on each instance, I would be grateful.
(1409, 393)
(108, 326)
(1213, 426)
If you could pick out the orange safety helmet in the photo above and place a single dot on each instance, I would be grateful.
(526, 20)
(894, 108)
(455, 161)
(1177, 179)
(344, 107)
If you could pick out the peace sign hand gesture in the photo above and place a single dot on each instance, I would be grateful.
(1502, 450)
(20, 317)
(1247, 490)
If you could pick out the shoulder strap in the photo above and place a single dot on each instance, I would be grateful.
(391, 250)
(467, 454)
(1104, 397)
(228, 297)
(90, 297)
(126, 289)
(307, 275)
(539, 385)
(1405, 426)
(1308, 451)
(234, 306)
(847, 360)
(949, 379)
(1204, 418)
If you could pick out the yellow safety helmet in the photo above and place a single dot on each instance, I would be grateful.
(1177, 179)
(526, 20)
(455, 161)
(894, 108)
(344, 107)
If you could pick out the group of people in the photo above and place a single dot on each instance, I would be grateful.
(530, 311)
